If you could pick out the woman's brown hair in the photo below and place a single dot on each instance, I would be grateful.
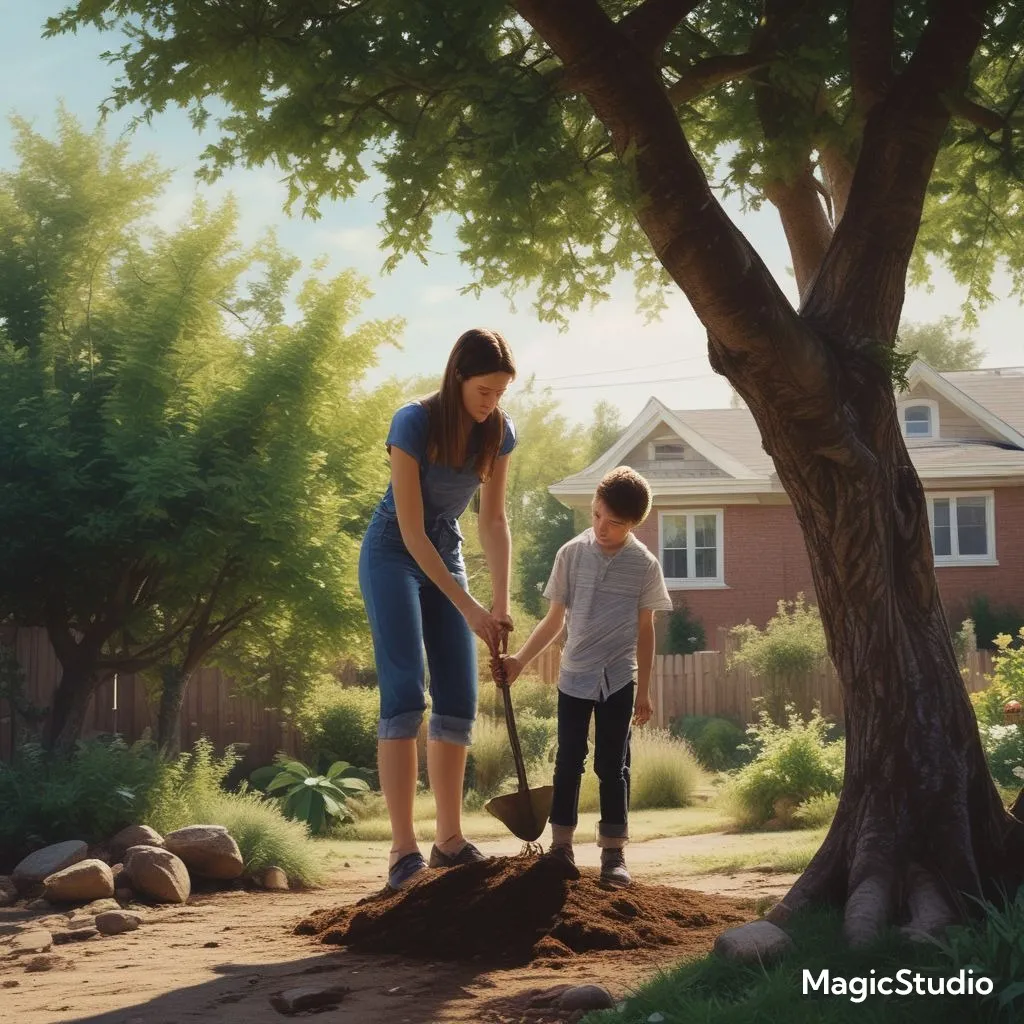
(477, 353)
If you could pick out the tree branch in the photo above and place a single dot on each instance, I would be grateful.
(872, 43)
(706, 74)
(649, 26)
(967, 110)
(859, 292)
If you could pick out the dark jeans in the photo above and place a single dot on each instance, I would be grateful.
(612, 720)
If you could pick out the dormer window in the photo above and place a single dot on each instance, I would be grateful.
(669, 450)
(919, 418)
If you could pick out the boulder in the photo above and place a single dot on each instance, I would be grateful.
(756, 942)
(157, 874)
(133, 835)
(8, 891)
(117, 922)
(38, 866)
(87, 880)
(207, 850)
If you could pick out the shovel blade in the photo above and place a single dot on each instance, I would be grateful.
(524, 813)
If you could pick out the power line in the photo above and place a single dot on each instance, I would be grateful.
(623, 369)
(656, 380)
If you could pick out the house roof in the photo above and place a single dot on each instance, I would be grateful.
(730, 439)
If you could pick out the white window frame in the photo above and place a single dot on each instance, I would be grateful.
(933, 417)
(955, 558)
(691, 583)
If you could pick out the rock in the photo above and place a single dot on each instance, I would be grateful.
(586, 997)
(34, 941)
(207, 850)
(10, 983)
(99, 906)
(123, 894)
(38, 866)
(85, 921)
(39, 906)
(756, 942)
(273, 878)
(86, 880)
(310, 997)
(117, 922)
(8, 891)
(117, 870)
(44, 963)
(133, 835)
(157, 874)
(75, 935)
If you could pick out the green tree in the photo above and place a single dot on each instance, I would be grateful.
(577, 139)
(179, 465)
(937, 344)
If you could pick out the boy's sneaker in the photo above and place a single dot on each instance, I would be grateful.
(469, 854)
(564, 856)
(613, 867)
(405, 869)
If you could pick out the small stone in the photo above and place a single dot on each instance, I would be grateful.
(211, 945)
(101, 906)
(83, 921)
(296, 1000)
(133, 835)
(8, 891)
(586, 997)
(756, 942)
(656, 1018)
(34, 941)
(75, 935)
(38, 866)
(10, 983)
(274, 879)
(43, 963)
(117, 922)
(86, 880)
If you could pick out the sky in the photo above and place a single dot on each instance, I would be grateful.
(606, 353)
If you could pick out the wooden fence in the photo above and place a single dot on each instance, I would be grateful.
(692, 684)
(212, 707)
(704, 684)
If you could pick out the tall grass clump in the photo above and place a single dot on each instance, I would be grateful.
(490, 760)
(663, 773)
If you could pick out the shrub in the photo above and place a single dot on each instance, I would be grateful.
(1007, 680)
(663, 773)
(716, 742)
(340, 724)
(318, 800)
(102, 787)
(793, 763)
(685, 633)
(964, 641)
(1004, 752)
(817, 812)
(789, 647)
(490, 760)
(990, 621)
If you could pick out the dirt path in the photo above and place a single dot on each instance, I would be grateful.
(226, 954)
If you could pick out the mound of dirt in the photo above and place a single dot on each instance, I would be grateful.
(524, 908)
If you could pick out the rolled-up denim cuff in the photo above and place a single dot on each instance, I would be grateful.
(612, 837)
(449, 729)
(404, 726)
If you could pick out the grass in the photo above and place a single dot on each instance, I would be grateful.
(784, 852)
(714, 991)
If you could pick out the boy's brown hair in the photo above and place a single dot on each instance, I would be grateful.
(626, 493)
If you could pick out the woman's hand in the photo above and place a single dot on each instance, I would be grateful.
(486, 626)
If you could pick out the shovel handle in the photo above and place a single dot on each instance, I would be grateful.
(513, 735)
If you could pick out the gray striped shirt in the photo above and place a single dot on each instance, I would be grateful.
(603, 595)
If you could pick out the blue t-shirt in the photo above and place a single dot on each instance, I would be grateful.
(446, 491)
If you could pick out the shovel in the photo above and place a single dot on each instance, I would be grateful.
(525, 812)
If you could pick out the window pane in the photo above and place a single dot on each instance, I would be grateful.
(673, 530)
(918, 420)
(706, 563)
(674, 563)
(704, 531)
(941, 512)
(941, 544)
(971, 526)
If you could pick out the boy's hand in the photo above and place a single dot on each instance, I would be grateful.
(642, 709)
(512, 669)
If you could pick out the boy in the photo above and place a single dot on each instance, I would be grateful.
(605, 586)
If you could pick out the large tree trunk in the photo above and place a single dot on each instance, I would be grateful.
(70, 705)
(920, 824)
(175, 679)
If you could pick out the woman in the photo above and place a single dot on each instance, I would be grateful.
(442, 448)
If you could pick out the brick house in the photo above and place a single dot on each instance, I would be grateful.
(728, 538)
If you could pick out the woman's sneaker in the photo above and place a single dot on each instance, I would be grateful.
(405, 870)
(469, 854)
(613, 867)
